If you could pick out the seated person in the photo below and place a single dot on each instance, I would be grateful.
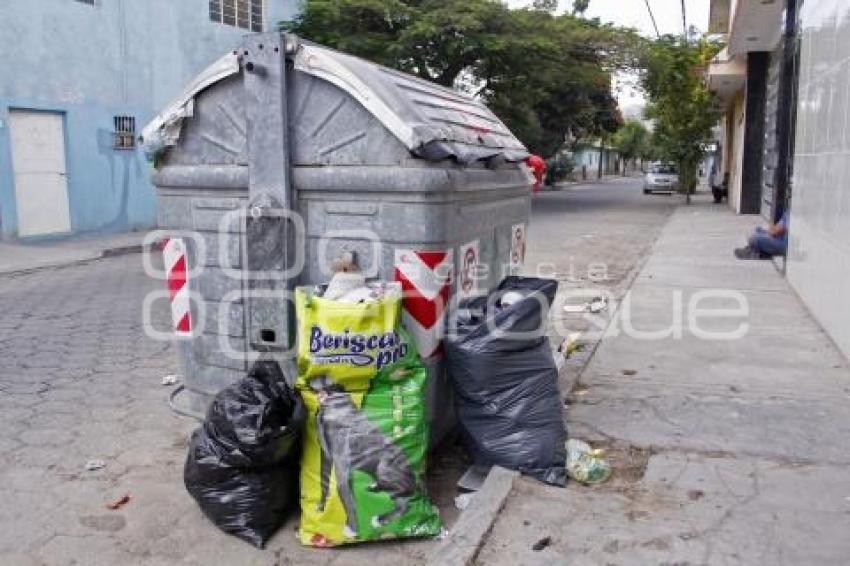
(766, 242)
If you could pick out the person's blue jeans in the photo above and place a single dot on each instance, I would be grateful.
(766, 244)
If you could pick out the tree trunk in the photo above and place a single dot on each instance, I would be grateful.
(601, 158)
(687, 177)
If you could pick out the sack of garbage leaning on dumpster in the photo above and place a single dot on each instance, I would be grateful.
(366, 436)
(506, 385)
(243, 461)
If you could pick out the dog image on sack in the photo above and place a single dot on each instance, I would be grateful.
(349, 442)
(366, 435)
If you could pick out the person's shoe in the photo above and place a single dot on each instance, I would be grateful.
(746, 253)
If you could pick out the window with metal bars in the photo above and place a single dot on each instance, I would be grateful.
(245, 14)
(124, 135)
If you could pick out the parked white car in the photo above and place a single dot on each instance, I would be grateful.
(661, 177)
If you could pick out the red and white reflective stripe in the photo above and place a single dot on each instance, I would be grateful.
(425, 278)
(174, 256)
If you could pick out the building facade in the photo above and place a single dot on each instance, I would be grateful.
(819, 246)
(78, 81)
(783, 80)
(747, 77)
(586, 157)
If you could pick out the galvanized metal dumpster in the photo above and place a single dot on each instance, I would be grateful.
(285, 155)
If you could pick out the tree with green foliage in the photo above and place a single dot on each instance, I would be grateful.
(559, 167)
(682, 107)
(544, 74)
(631, 141)
(580, 6)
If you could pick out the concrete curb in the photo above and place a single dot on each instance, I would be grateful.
(628, 282)
(94, 256)
(122, 250)
(466, 538)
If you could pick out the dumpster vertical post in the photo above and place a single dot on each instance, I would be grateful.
(269, 241)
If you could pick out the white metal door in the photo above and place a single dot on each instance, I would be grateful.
(38, 163)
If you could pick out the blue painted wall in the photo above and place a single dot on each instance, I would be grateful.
(91, 63)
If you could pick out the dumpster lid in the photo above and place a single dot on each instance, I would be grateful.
(164, 129)
(432, 121)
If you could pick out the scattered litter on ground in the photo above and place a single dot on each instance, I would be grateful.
(629, 372)
(462, 501)
(560, 360)
(570, 345)
(580, 390)
(170, 379)
(473, 478)
(119, 503)
(696, 494)
(586, 464)
(526, 523)
(573, 343)
(95, 464)
(575, 308)
(541, 544)
(595, 305)
(734, 389)
(444, 533)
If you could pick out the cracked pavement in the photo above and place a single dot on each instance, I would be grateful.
(743, 445)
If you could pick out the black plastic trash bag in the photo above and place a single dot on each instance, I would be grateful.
(501, 367)
(242, 466)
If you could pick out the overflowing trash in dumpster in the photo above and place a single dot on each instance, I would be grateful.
(354, 427)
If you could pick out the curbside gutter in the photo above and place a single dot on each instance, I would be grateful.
(460, 547)
(72, 259)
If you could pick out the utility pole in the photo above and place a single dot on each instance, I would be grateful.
(687, 41)
(652, 17)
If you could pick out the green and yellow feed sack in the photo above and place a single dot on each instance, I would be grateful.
(366, 436)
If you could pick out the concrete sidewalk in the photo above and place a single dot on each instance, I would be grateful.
(725, 451)
(18, 257)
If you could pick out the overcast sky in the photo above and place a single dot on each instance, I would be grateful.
(633, 13)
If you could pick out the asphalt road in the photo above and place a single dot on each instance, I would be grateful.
(595, 233)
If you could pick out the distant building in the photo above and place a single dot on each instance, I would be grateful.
(586, 156)
(78, 81)
(751, 79)
(785, 143)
